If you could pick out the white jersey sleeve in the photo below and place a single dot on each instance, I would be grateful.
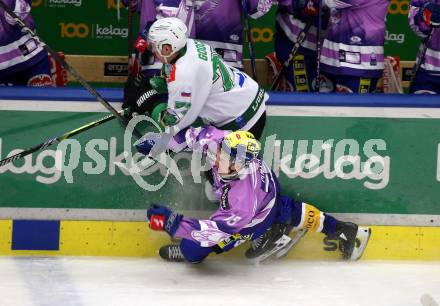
(189, 86)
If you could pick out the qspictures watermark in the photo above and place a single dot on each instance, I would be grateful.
(346, 159)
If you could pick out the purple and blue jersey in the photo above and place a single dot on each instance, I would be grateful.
(355, 36)
(18, 51)
(246, 205)
(431, 60)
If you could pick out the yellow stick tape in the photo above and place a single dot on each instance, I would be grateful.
(106, 238)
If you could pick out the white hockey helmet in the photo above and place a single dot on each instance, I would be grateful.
(169, 30)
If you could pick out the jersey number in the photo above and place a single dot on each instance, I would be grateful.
(232, 220)
(220, 70)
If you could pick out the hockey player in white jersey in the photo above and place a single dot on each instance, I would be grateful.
(201, 86)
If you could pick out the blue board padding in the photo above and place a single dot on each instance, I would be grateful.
(275, 98)
(59, 94)
(41, 235)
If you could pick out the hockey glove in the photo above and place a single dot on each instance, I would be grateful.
(430, 14)
(139, 96)
(306, 7)
(163, 219)
(141, 44)
(153, 144)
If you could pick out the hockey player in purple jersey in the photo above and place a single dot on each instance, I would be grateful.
(424, 19)
(251, 206)
(291, 19)
(352, 56)
(23, 61)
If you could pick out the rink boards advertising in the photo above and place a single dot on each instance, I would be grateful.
(374, 165)
(75, 27)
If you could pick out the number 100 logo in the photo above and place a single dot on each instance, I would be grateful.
(73, 30)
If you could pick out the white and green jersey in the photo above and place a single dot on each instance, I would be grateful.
(201, 85)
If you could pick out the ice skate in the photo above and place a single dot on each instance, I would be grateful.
(352, 239)
(362, 237)
(275, 239)
(296, 237)
(171, 252)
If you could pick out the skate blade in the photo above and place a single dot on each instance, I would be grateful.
(295, 239)
(280, 243)
(363, 235)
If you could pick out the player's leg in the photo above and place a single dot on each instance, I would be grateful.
(424, 83)
(37, 75)
(352, 238)
(276, 239)
(186, 251)
(348, 84)
(302, 69)
(303, 217)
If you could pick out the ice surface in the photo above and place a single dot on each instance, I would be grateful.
(93, 281)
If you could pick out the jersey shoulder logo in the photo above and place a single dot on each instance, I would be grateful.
(224, 203)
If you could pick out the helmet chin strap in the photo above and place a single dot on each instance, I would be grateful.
(234, 174)
(165, 58)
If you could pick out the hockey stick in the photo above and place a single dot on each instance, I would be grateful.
(70, 69)
(58, 139)
(299, 40)
(130, 31)
(130, 41)
(244, 5)
(422, 57)
(318, 48)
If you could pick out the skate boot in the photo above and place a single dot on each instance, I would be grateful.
(171, 252)
(271, 242)
(352, 239)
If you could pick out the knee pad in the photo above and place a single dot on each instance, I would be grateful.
(193, 252)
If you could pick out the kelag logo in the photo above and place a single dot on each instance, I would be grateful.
(110, 31)
(398, 7)
(263, 35)
(395, 37)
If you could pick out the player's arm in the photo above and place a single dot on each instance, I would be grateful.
(195, 139)
(234, 213)
(333, 4)
(206, 233)
(423, 15)
(22, 9)
(258, 8)
(134, 4)
(229, 219)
